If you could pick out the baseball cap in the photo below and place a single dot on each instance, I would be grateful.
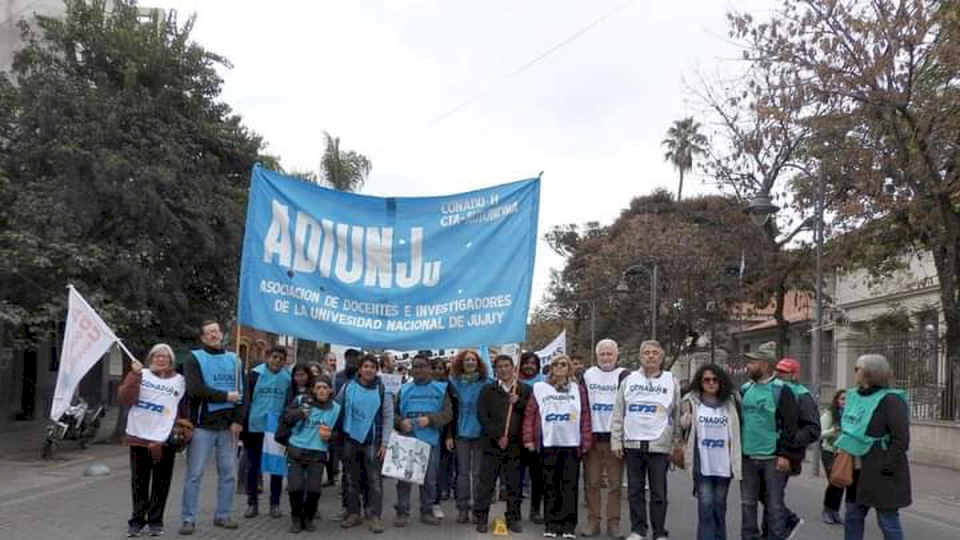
(788, 365)
(766, 352)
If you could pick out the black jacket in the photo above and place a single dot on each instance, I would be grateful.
(200, 395)
(884, 479)
(808, 429)
(492, 409)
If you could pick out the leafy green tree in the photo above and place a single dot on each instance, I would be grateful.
(127, 176)
(684, 142)
(880, 82)
(344, 170)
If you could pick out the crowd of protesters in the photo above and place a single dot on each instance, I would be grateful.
(517, 426)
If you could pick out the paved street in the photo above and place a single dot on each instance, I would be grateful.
(55, 502)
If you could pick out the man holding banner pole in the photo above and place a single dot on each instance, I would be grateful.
(215, 387)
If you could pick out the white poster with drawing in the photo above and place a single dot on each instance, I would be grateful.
(406, 459)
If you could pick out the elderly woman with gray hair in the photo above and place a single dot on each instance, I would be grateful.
(154, 393)
(875, 430)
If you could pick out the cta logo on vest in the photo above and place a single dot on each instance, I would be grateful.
(641, 408)
(713, 443)
(152, 407)
(560, 417)
(602, 407)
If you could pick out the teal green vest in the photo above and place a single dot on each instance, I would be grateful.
(857, 414)
(269, 396)
(220, 372)
(759, 433)
(423, 399)
(306, 434)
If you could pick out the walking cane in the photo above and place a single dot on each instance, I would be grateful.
(506, 426)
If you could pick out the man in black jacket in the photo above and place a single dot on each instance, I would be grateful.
(216, 391)
(500, 410)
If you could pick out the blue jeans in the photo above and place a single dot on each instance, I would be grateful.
(203, 443)
(469, 455)
(712, 507)
(428, 491)
(887, 520)
(761, 477)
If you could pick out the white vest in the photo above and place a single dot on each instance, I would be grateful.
(713, 441)
(602, 391)
(559, 415)
(647, 405)
(155, 411)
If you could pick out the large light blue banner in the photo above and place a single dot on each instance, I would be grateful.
(396, 273)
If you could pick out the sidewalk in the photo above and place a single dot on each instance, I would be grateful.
(936, 491)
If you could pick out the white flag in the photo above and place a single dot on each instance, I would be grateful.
(86, 340)
(556, 348)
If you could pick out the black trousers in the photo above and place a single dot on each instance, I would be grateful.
(833, 495)
(150, 485)
(253, 446)
(641, 466)
(532, 463)
(561, 485)
(506, 465)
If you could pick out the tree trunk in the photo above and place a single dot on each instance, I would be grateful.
(946, 258)
(680, 187)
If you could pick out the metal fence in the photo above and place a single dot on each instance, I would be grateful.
(920, 368)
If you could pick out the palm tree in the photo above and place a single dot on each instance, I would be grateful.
(344, 171)
(683, 142)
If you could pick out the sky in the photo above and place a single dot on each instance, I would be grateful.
(450, 96)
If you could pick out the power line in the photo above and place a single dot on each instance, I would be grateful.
(523, 67)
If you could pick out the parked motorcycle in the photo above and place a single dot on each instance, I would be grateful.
(79, 423)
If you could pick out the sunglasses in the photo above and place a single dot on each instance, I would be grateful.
(711, 380)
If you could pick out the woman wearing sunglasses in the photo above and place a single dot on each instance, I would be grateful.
(711, 425)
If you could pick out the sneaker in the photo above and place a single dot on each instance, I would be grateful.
(225, 523)
(613, 529)
(296, 526)
(429, 519)
(592, 528)
(401, 520)
(548, 534)
(837, 518)
(463, 516)
(437, 512)
(308, 525)
(352, 520)
(375, 525)
(536, 519)
(134, 531)
(635, 536)
(155, 530)
(339, 516)
(482, 526)
(187, 528)
(515, 527)
(275, 511)
(569, 536)
(792, 528)
(827, 517)
(252, 511)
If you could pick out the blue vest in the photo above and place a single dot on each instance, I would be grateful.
(306, 434)
(219, 372)
(269, 396)
(362, 405)
(468, 424)
(423, 399)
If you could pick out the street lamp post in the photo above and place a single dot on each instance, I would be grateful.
(593, 328)
(654, 272)
(761, 209)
